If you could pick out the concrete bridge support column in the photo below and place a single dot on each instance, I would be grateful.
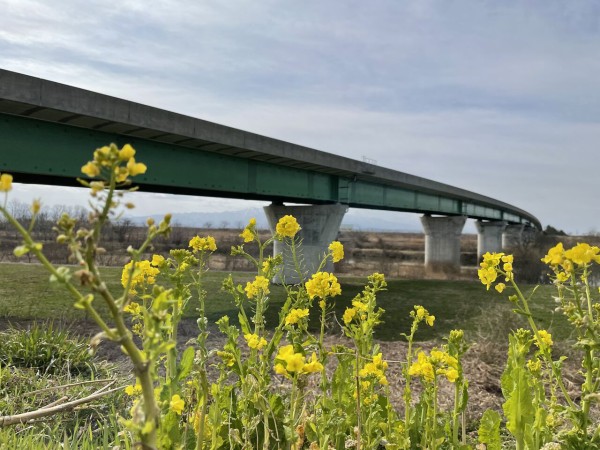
(489, 236)
(442, 242)
(512, 237)
(319, 225)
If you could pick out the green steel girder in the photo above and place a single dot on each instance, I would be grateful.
(54, 153)
(42, 152)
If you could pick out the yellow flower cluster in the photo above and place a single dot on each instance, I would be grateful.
(295, 315)
(254, 288)
(438, 363)
(545, 337)
(143, 273)
(5, 182)
(254, 341)
(250, 231)
(349, 315)
(227, 357)
(490, 268)
(177, 404)
(534, 366)
(110, 157)
(359, 309)
(375, 369)
(322, 285)
(133, 308)
(563, 261)
(199, 244)
(289, 362)
(287, 227)
(420, 314)
(134, 389)
(157, 260)
(336, 250)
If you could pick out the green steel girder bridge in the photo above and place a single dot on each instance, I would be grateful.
(49, 130)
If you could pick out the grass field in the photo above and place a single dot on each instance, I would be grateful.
(26, 294)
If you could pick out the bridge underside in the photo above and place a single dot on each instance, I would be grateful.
(52, 153)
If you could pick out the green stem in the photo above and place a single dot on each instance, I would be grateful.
(543, 347)
(322, 333)
(407, 377)
(455, 412)
(358, 410)
(203, 411)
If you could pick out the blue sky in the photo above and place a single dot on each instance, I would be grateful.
(498, 97)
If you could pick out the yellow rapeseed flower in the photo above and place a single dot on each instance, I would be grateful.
(322, 285)
(287, 226)
(176, 404)
(121, 174)
(6, 182)
(422, 367)
(136, 168)
(254, 288)
(487, 275)
(360, 306)
(555, 255)
(582, 254)
(295, 362)
(295, 315)
(254, 341)
(420, 313)
(451, 375)
(126, 153)
(157, 260)
(133, 308)
(91, 169)
(313, 365)
(349, 315)
(562, 277)
(250, 231)
(545, 337)
(280, 369)
(143, 272)
(336, 249)
(134, 389)
(500, 287)
(199, 244)
(247, 235)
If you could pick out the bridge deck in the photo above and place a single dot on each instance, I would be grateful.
(47, 131)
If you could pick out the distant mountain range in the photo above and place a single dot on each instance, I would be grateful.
(355, 219)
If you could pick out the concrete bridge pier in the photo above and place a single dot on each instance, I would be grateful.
(512, 237)
(319, 225)
(442, 242)
(489, 236)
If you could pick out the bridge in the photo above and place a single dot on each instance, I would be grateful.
(48, 130)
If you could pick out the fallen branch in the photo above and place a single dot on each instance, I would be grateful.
(49, 411)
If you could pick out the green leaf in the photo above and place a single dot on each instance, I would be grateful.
(489, 430)
(518, 408)
(244, 325)
(186, 363)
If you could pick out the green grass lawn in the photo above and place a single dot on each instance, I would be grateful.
(25, 293)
